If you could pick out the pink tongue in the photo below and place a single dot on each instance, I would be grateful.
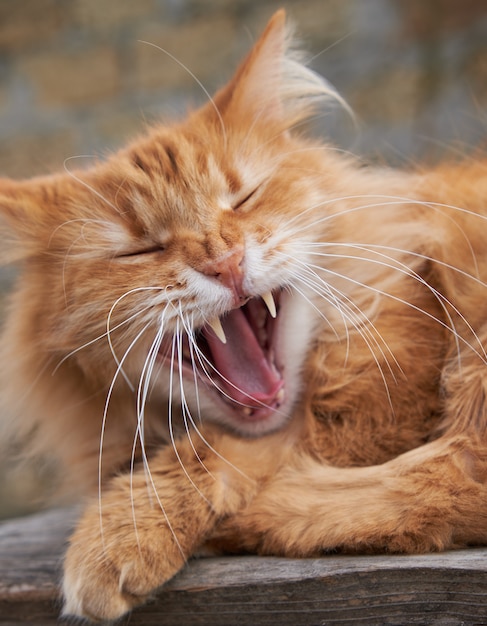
(248, 377)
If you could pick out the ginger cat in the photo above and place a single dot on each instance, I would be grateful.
(240, 338)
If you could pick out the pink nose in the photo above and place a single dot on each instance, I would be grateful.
(228, 269)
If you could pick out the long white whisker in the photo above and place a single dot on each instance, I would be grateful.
(144, 383)
(104, 421)
(404, 269)
(366, 334)
(372, 246)
(141, 399)
(346, 306)
(197, 81)
(441, 299)
(156, 494)
(392, 201)
(102, 336)
(108, 331)
(84, 183)
(188, 327)
(197, 352)
(187, 417)
(175, 352)
(83, 220)
(141, 402)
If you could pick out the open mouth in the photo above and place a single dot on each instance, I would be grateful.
(235, 355)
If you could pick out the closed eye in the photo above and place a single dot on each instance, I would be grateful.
(239, 203)
(142, 251)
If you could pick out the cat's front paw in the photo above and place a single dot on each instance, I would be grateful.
(114, 564)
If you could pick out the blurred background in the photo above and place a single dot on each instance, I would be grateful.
(77, 79)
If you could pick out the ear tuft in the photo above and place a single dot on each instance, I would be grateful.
(273, 83)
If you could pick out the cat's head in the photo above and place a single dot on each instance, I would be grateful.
(178, 262)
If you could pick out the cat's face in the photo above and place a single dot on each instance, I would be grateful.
(173, 266)
(221, 254)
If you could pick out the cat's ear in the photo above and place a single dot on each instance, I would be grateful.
(250, 90)
(272, 84)
(62, 213)
(24, 212)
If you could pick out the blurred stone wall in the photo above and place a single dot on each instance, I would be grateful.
(76, 79)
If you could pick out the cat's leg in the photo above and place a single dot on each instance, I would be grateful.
(431, 498)
(145, 526)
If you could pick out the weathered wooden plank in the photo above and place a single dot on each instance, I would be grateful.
(441, 589)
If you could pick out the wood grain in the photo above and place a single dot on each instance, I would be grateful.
(440, 589)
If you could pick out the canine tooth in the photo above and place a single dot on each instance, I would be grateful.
(270, 304)
(216, 325)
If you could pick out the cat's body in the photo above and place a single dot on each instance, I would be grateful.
(354, 420)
